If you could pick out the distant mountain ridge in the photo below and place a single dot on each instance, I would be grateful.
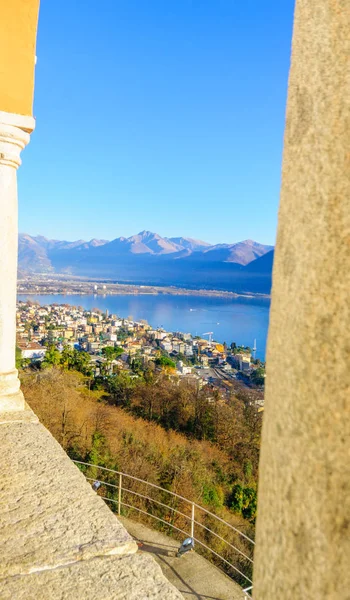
(150, 258)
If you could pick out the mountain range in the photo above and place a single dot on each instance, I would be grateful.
(148, 258)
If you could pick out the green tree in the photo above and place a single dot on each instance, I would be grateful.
(82, 362)
(123, 334)
(258, 376)
(110, 352)
(67, 357)
(120, 388)
(18, 358)
(164, 361)
(99, 454)
(213, 495)
(243, 500)
(137, 365)
(52, 358)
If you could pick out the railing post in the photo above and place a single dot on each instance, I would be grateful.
(119, 493)
(192, 521)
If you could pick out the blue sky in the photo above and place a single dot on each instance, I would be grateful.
(164, 115)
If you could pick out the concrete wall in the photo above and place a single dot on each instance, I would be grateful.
(303, 529)
(18, 25)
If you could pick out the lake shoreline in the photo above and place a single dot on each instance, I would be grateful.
(113, 289)
(240, 319)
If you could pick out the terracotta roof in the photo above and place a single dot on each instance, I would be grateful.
(29, 346)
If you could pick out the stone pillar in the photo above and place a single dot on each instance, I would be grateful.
(13, 138)
(303, 527)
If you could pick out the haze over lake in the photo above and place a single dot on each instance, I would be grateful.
(239, 320)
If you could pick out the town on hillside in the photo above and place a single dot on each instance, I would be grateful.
(109, 344)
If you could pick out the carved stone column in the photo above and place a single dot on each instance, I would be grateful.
(14, 137)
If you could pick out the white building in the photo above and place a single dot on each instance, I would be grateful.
(166, 345)
(244, 363)
(33, 351)
(183, 369)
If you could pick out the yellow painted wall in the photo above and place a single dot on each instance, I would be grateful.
(18, 26)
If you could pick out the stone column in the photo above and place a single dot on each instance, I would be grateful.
(13, 138)
(303, 527)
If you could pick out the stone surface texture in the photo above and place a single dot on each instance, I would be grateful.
(135, 577)
(18, 416)
(58, 539)
(49, 516)
(303, 529)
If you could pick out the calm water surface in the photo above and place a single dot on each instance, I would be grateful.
(239, 320)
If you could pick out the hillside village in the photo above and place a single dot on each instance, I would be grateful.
(114, 344)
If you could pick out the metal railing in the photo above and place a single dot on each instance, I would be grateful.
(196, 528)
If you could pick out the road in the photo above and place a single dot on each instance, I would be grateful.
(194, 576)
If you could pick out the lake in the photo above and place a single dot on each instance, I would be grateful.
(239, 320)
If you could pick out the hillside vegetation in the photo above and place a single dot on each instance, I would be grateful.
(213, 461)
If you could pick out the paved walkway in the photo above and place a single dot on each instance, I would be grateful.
(194, 576)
